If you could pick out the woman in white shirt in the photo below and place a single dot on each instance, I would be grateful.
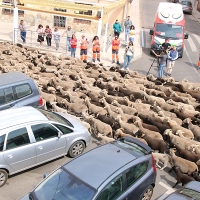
(132, 33)
(56, 35)
(128, 55)
(41, 34)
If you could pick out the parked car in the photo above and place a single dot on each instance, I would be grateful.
(187, 6)
(18, 89)
(123, 169)
(30, 137)
(190, 191)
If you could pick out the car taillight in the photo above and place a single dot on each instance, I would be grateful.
(153, 163)
(40, 101)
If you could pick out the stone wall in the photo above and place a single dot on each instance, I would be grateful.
(198, 6)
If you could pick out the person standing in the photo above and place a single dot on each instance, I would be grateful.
(127, 24)
(96, 49)
(199, 62)
(56, 35)
(172, 56)
(162, 63)
(73, 43)
(83, 48)
(48, 33)
(115, 49)
(166, 45)
(22, 28)
(128, 55)
(41, 33)
(117, 28)
(132, 33)
(69, 32)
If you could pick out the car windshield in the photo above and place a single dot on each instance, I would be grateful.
(187, 3)
(170, 31)
(61, 185)
(190, 193)
(132, 148)
(55, 117)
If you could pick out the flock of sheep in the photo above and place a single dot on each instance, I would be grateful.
(165, 114)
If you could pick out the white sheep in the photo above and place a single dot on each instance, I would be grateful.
(105, 139)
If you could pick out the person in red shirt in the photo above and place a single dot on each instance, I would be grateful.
(115, 49)
(73, 43)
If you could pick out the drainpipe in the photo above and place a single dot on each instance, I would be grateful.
(15, 22)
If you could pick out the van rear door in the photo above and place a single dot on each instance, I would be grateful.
(7, 98)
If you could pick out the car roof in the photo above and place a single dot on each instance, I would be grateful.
(12, 77)
(193, 185)
(95, 166)
(15, 116)
(177, 196)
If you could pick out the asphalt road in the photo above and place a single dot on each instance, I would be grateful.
(20, 184)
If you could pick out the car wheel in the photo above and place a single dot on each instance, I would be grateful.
(147, 193)
(76, 149)
(3, 177)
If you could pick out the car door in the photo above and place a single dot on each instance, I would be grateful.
(48, 143)
(19, 151)
(114, 190)
(135, 181)
(7, 98)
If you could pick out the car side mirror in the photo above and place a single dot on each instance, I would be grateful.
(45, 175)
(186, 36)
(151, 32)
(59, 134)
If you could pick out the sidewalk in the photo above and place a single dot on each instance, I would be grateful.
(6, 34)
(196, 14)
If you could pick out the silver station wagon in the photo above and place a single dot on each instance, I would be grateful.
(30, 136)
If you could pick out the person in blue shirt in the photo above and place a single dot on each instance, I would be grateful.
(172, 57)
(117, 28)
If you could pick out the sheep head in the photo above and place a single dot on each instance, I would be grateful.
(167, 132)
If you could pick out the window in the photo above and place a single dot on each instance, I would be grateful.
(44, 131)
(89, 12)
(59, 21)
(2, 138)
(113, 190)
(23, 90)
(63, 129)
(6, 11)
(60, 9)
(6, 96)
(17, 138)
(82, 21)
(136, 172)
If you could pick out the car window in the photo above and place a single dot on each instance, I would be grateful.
(2, 138)
(2, 97)
(23, 90)
(113, 190)
(136, 172)
(44, 131)
(63, 129)
(17, 138)
(9, 94)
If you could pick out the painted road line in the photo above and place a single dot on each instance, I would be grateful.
(192, 45)
(194, 67)
(197, 37)
(169, 190)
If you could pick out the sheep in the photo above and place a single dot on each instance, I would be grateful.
(51, 90)
(188, 155)
(105, 119)
(165, 158)
(131, 128)
(152, 99)
(182, 178)
(105, 139)
(196, 176)
(57, 108)
(94, 109)
(194, 148)
(148, 132)
(126, 109)
(49, 98)
(194, 128)
(154, 143)
(174, 126)
(75, 107)
(186, 166)
(125, 117)
(99, 127)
